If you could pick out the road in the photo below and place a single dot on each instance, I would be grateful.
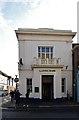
(4, 99)
(67, 112)
(30, 113)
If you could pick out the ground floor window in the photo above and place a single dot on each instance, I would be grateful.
(63, 82)
(29, 84)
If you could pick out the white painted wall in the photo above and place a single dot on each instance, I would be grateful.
(3, 82)
(61, 50)
(57, 84)
(68, 75)
(28, 49)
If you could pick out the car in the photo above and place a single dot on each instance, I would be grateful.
(3, 93)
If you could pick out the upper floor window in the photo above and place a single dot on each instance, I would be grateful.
(45, 52)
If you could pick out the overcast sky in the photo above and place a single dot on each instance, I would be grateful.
(56, 14)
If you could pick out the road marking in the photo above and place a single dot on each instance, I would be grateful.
(3, 108)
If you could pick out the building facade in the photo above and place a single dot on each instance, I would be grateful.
(11, 84)
(6, 82)
(75, 63)
(45, 62)
(3, 81)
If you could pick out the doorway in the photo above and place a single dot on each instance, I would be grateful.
(47, 86)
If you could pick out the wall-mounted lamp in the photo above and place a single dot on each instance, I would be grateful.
(66, 67)
(20, 61)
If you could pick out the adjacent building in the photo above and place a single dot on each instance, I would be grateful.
(75, 63)
(3, 81)
(11, 85)
(6, 82)
(45, 62)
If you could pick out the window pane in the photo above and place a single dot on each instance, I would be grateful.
(63, 85)
(43, 56)
(63, 81)
(30, 88)
(47, 55)
(51, 56)
(30, 82)
(39, 55)
(43, 49)
(27, 86)
(63, 89)
(38, 49)
(27, 81)
(45, 52)
(51, 49)
(47, 49)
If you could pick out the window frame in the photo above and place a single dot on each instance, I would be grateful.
(29, 84)
(44, 53)
(63, 85)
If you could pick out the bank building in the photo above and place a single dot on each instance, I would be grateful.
(45, 62)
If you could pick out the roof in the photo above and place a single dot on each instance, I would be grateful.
(45, 31)
(4, 74)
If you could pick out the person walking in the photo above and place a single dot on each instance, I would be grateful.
(68, 95)
(27, 96)
(17, 97)
(12, 95)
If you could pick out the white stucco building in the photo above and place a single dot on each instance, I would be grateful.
(3, 81)
(45, 62)
(6, 82)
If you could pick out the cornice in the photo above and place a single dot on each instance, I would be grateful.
(21, 31)
(23, 40)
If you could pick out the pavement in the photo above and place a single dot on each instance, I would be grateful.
(42, 104)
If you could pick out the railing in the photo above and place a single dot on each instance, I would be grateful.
(39, 61)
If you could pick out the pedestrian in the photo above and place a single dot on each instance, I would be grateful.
(27, 96)
(12, 95)
(17, 97)
(68, 96)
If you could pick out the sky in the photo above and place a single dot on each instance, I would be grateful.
(56, 14)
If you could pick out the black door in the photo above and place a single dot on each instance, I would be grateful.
(47, 87)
